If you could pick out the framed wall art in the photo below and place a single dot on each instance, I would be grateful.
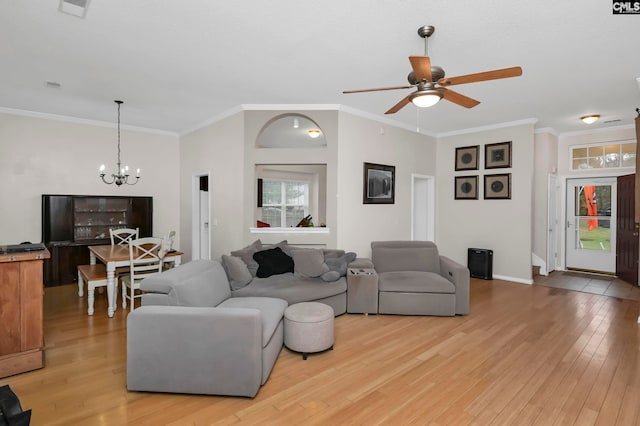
(466, 188)
(379, 184)
(467, 158)
(497, 155)
(497, 187)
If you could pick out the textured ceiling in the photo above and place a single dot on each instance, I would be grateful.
(178, 64)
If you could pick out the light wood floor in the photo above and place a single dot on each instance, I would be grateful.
(525, 355)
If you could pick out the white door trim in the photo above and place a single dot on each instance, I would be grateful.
(423, 186)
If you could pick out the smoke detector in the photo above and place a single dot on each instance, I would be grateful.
(74, 7)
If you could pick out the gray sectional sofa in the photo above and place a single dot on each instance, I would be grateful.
(216, 327)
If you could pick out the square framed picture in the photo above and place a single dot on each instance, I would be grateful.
(379, 184)
(497, 155)
(497, 187)
(466, 188)
(467, 158)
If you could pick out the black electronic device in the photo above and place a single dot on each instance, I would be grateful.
(21, 248)
(480, 263)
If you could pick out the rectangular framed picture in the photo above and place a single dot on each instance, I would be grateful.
(467, 158)
(497, 155)
(466, 188)
(379, 184)
(497, 187)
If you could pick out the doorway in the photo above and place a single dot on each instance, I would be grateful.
(422, 207)
(591, 224)
(201, 235)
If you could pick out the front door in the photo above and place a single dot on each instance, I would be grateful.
(627, 231)
(591, 224)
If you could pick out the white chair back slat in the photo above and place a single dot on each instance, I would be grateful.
(122, 236)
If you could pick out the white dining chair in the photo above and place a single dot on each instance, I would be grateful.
(145, 260)
(123, 235)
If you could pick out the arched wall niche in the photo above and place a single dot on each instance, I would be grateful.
(291, 130)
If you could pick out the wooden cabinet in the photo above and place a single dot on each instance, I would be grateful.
(22, 343)
(71, 223)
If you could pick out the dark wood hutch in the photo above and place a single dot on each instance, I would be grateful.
(71, 223)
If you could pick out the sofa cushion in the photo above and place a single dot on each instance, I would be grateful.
(246, 254)
(425, 259)
(203, 283)
(414, 282)
(237, 271)
(308, 262)
(292, 288)
(271, 312)
(271, 262)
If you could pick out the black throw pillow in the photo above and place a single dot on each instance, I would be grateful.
(272, 261)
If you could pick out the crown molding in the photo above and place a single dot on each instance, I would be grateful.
(225, 114)
(599, 130)
(549, 130)
(83, 121)
(488, 127)
(302, 107)
(384, 120)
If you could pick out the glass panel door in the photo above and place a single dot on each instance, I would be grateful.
(591, 205)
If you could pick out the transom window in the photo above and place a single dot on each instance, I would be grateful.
(284, 203)
(601, 156)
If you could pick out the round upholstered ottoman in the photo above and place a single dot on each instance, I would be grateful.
(308, 327)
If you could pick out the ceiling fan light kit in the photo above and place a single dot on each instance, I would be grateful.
(590, 119)
(429, 81)
(425, 98)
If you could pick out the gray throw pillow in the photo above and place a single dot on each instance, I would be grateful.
(237, 271)
(338, 266)
(246, 254)
(308, 262)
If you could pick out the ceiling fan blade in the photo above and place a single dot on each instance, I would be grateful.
(421, 67)
(377, 90)
(481, 76)
(397, 107)
(459, 99)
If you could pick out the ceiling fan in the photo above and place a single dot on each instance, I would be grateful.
(431, 84)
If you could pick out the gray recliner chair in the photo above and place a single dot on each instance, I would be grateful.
(413, 279)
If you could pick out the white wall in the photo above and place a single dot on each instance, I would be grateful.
(59, 156)
(362, 140)
(216, 150)
(503, 226)
(226, 150)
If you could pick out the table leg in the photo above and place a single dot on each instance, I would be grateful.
(111, 288)
(177, 261)
(92, 258)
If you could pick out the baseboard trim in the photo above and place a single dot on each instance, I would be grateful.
(513, 279)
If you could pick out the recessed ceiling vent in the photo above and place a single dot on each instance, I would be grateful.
(74, 7)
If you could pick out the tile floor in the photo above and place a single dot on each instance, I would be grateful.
(589, 283)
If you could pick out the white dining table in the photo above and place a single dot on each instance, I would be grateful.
(115, 256)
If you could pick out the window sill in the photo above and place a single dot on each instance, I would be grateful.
(307, 230)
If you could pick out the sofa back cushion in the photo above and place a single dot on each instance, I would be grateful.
(388, 256)
(308, 262)
(200, 283)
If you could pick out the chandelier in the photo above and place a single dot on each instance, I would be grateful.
(122, 176)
